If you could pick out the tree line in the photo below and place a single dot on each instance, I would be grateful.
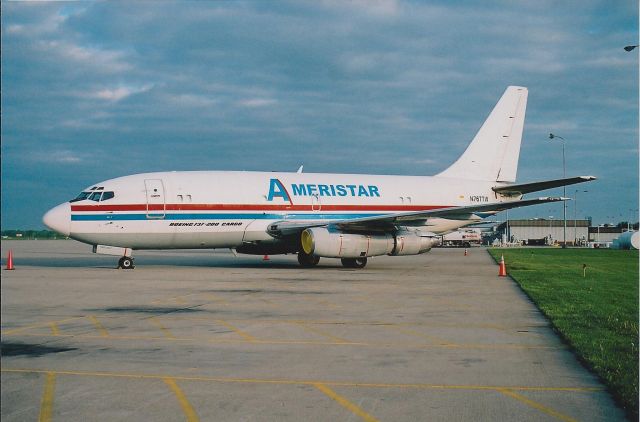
(31, 234)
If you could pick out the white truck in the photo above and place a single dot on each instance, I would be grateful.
(463, 238)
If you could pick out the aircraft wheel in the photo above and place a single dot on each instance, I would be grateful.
(307, 261)
(354, 262)
(126, 263)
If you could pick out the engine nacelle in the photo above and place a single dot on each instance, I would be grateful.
(410, 243)
(319, 241)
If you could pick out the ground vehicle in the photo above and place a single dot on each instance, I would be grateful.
(463, 238)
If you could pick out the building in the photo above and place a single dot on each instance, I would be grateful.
(540, 231)
(605, 234)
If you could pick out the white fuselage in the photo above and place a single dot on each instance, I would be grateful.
(225, 209)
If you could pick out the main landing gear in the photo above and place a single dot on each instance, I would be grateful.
(306, 260)
(126, 263)
(354, 262)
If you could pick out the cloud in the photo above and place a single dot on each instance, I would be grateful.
(59, 157)
(119, 93)
(393, 87)
(256, 102)
(101, 59)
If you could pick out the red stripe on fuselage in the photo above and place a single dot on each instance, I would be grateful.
(252, 207)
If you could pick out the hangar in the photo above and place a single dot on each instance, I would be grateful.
(540, 231)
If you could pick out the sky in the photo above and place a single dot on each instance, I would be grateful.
(96, 90)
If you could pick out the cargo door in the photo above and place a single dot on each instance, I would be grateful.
(155, 198)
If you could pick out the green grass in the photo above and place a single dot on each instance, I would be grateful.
(597, 315)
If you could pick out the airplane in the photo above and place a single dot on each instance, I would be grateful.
(347, 216)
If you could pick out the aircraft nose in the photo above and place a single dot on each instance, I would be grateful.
(59, 219)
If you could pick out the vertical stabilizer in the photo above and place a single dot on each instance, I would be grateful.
(493, 154)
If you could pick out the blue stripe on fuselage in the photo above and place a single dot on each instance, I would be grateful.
(261, 216)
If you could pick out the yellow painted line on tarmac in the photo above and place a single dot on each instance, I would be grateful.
(414, 333)
(216, 298)
(536, 405)
(321, 302)
(168, 336)
(46, 405)
(358, 323)
(54, 329)
(188, 410)
(247, 337)
(321, 332)
(101, 329)
(167, 333)
(307, 382)
(179, 299)
(270, 303)
(356, 410)
(38, 325)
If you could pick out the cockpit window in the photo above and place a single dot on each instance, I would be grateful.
(81, 197)
(95, 196)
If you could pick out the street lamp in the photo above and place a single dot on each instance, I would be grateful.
(550, 221)
(564, 192)
(599, 225)
(575, 215)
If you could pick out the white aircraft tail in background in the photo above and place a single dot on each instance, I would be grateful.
(493, 154)
(346, 216)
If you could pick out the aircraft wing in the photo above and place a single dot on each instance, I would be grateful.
(523, 188)
(389, 221)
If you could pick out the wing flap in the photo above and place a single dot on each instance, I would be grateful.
(389, 221)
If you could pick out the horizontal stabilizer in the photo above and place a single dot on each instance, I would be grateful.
(523, 188)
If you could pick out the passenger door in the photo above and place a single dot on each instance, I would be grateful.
(155, 198)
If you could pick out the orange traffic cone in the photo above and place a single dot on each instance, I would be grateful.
(503, 268)
(465, 251)
(265, 257)
(10, 261)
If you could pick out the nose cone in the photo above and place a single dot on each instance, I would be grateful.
(59, 219)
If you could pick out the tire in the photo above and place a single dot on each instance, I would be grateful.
(126, 263)
(354, 262)
(307, 261)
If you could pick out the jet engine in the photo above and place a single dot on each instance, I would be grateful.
(410, 243)
(320, 241)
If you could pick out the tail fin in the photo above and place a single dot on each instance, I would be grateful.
(493, 153)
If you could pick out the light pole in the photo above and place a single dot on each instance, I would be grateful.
(550, 221)
(575, 215)
(564, 192)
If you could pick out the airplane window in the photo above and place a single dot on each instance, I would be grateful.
(107, 195)
(81, 197)
(95, 196)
